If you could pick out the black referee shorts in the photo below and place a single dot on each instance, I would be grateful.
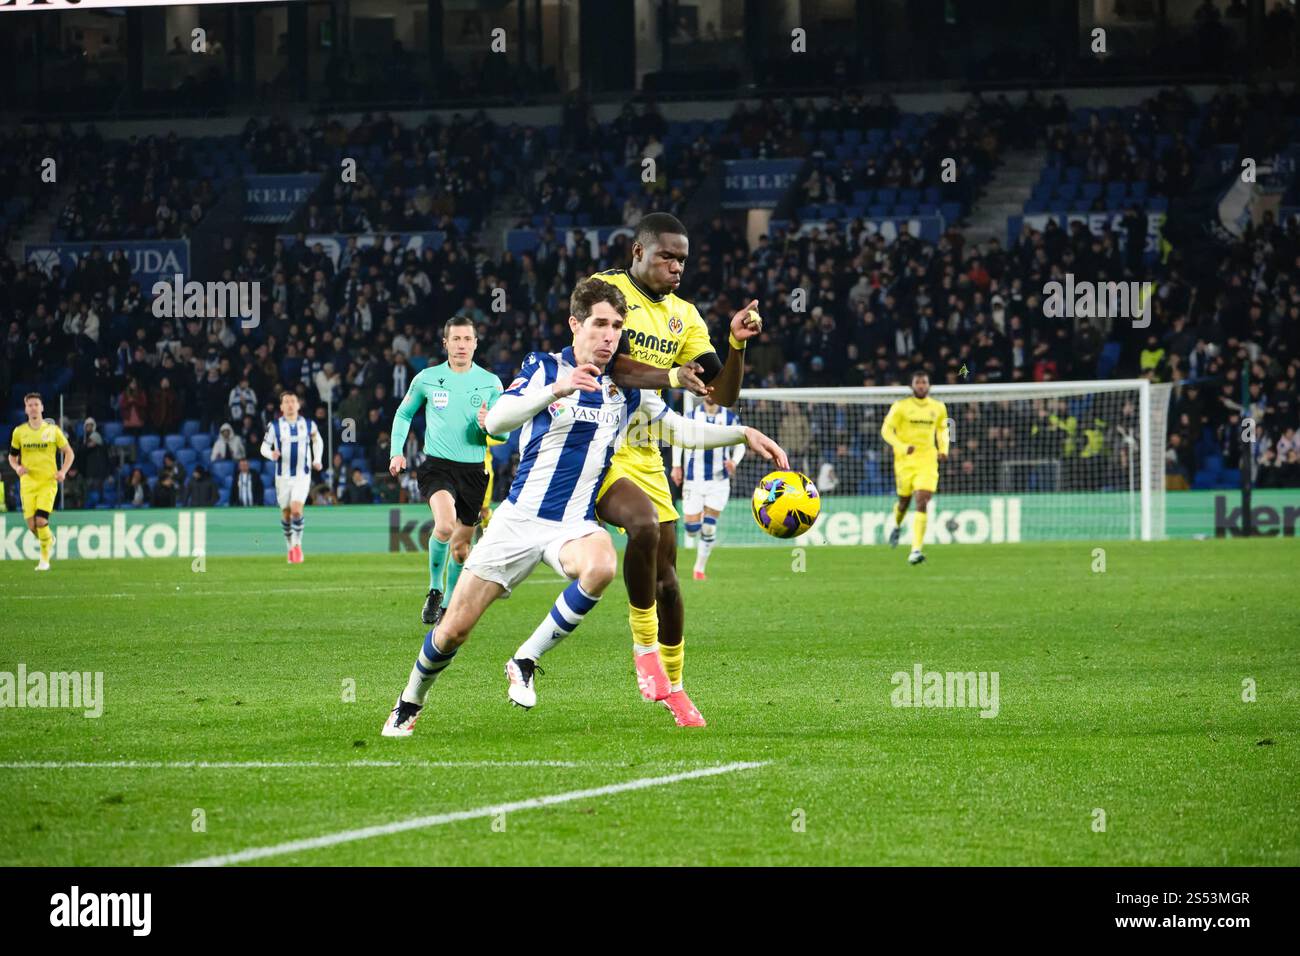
(467, 482)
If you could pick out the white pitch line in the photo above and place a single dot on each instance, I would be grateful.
(420, 823)
(269, 764)
(305, 589)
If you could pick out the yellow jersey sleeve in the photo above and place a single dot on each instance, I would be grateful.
(941, 437)
(695, 337)
(889, 428)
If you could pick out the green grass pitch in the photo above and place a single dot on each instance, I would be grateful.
(1119, 691)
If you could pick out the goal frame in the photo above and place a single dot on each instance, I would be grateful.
(1004, 391)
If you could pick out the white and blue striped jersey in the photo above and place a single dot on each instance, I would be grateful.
(706, 464)
(299, 444)
(565, 449)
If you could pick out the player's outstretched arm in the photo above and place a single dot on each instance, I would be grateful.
(629, 374)
(689, 433)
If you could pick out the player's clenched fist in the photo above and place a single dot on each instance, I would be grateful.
(747, 322)
(396, 465)
(755, 440)
(581, 379)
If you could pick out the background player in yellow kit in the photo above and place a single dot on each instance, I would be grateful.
(32, 454)
(917, 429)
(665, 332)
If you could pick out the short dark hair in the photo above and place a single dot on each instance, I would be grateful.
(35, 395)
(655, 224)
(590, 291)
(919, 373)
(456, 321)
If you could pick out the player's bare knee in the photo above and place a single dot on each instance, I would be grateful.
(598, 571)
(643, 531)
(460, 551)
(443, 531)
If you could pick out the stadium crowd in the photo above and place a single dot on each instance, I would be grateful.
(349, 336)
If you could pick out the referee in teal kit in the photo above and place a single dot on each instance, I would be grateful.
(453, 478)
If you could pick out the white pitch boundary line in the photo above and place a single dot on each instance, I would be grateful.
(306, 588)
(271, 764)
(420, 823)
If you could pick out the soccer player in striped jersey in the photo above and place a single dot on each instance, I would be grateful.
(452, 478)
(33, 455)
(572, 416)
(917, 429)
(707, 478)
(293, 442)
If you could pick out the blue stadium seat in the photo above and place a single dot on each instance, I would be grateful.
(1035, 207)
(187, 458)
(831, 210)
(951, 212)
(268, 497)
(1090, 191)
(201, 444)
(110, 430)
(124, 441)
(149, 444)
(877, 212)
(1067, 191)
(887, 196)
(191, 427)
(156, 457)
(223, 468)
(174, 443)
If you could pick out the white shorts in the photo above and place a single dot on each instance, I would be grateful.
(698, 495)
(292, 489)
(514, 544)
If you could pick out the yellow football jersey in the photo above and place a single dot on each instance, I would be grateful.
(921, 423)
(37, 448)
(662, 331)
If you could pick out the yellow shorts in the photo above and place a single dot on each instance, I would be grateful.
(652, 481)
(919, 475)
(38, 497)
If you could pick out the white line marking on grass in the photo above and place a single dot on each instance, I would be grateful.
(269, 764)
(307, 587)
(420, 823)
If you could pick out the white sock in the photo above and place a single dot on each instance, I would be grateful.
(708, 537)
(639, 649)
(565, 615)
(296, 525)
(428, 665)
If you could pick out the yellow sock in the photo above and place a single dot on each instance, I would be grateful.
(919, 522)
(46, 539)
(898, 515)
(645, 625)
(674, 660)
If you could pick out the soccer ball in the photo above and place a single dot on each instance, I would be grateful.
(786, 504)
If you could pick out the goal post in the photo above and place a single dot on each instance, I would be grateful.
(1049, 461)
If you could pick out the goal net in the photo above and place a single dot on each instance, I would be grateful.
(1027, 462)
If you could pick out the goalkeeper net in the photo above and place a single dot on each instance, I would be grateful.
(1027, 462)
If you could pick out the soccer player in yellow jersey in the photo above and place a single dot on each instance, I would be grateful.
(661, 332)
(33, 452)
(917, 429)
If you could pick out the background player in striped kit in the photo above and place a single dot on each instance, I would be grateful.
(295, 445)
(707, 477)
